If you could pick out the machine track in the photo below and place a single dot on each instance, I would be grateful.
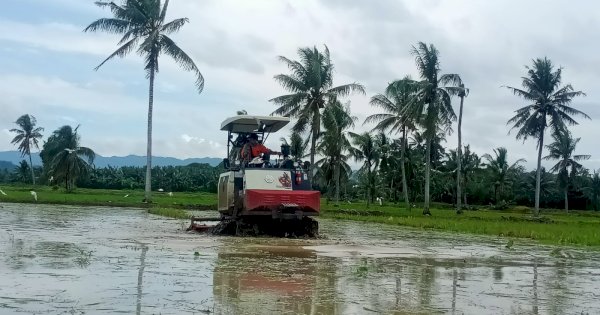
(257, 226)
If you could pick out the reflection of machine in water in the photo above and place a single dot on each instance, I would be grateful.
(273, 280)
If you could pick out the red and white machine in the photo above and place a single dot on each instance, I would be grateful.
(264, 196)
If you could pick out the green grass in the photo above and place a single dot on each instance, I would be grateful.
(170, 212)
(162, 204)
(105, 197)
(580, 228)
(554, 227)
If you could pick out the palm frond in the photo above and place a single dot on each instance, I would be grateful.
(451, 79)
(174, 25)
(183, 60)
(347, 89)
(290, 83)
(163, 12)
(109, 25)
(120, 52)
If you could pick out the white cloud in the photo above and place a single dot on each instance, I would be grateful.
(235, 44)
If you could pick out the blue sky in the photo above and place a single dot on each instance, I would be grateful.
(46, 65)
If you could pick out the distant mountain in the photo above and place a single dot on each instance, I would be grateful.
(5, 165)
(14, 157)
(136, 160)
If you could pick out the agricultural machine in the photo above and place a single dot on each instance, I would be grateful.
(258, 195)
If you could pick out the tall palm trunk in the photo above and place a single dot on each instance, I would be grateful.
(337, 180)
(538, 176)
(313, 142)
(369, 184)
(465, 193)
(148, 188)
(426, 210)
(402, 167)
(31, 166)
(567, 198)
(67, 179)
(459, 158)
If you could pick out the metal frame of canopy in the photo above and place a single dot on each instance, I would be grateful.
(246, 124)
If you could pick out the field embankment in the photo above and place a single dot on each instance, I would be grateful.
(580, 228)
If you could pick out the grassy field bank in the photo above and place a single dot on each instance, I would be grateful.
(555, 227)
(174, 206)
(105, 197)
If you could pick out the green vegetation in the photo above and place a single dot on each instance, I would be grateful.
(555, 227)
(170, 212)
(310, 85)
(105, 197)
(549, 107)
(64, 159)
(28, 136)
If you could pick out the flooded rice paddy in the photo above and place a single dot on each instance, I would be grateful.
(73, 260)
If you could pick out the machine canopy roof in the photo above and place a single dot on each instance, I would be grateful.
(248, 124)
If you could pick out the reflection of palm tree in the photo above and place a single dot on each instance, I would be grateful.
(535, 288)
(141, 278)
(27, 137)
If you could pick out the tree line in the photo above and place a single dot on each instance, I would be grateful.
(68, 164)
(405, 146)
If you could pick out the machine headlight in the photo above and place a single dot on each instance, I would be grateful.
(296, 164)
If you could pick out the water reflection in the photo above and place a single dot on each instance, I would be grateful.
(273, 279)
(141, 278)
(118, 261)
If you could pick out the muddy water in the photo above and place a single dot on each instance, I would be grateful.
(71, 260)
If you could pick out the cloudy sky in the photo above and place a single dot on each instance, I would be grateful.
(46, 65)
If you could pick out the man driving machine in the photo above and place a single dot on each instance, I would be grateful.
(253, 149)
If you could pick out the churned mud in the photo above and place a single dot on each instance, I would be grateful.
(98, 260)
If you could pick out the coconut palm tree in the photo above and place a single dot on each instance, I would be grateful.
(592, 191)
(144, 29)
(470, 165)
(461, 94)
(311, 86)
(393, 102)
(500, 171)
(568, 164)
(297, 145)
(431, 107)
(69, 160)
(550, 107)
(365, 150)
(27, 137)
(22, 171)
(337, 119)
